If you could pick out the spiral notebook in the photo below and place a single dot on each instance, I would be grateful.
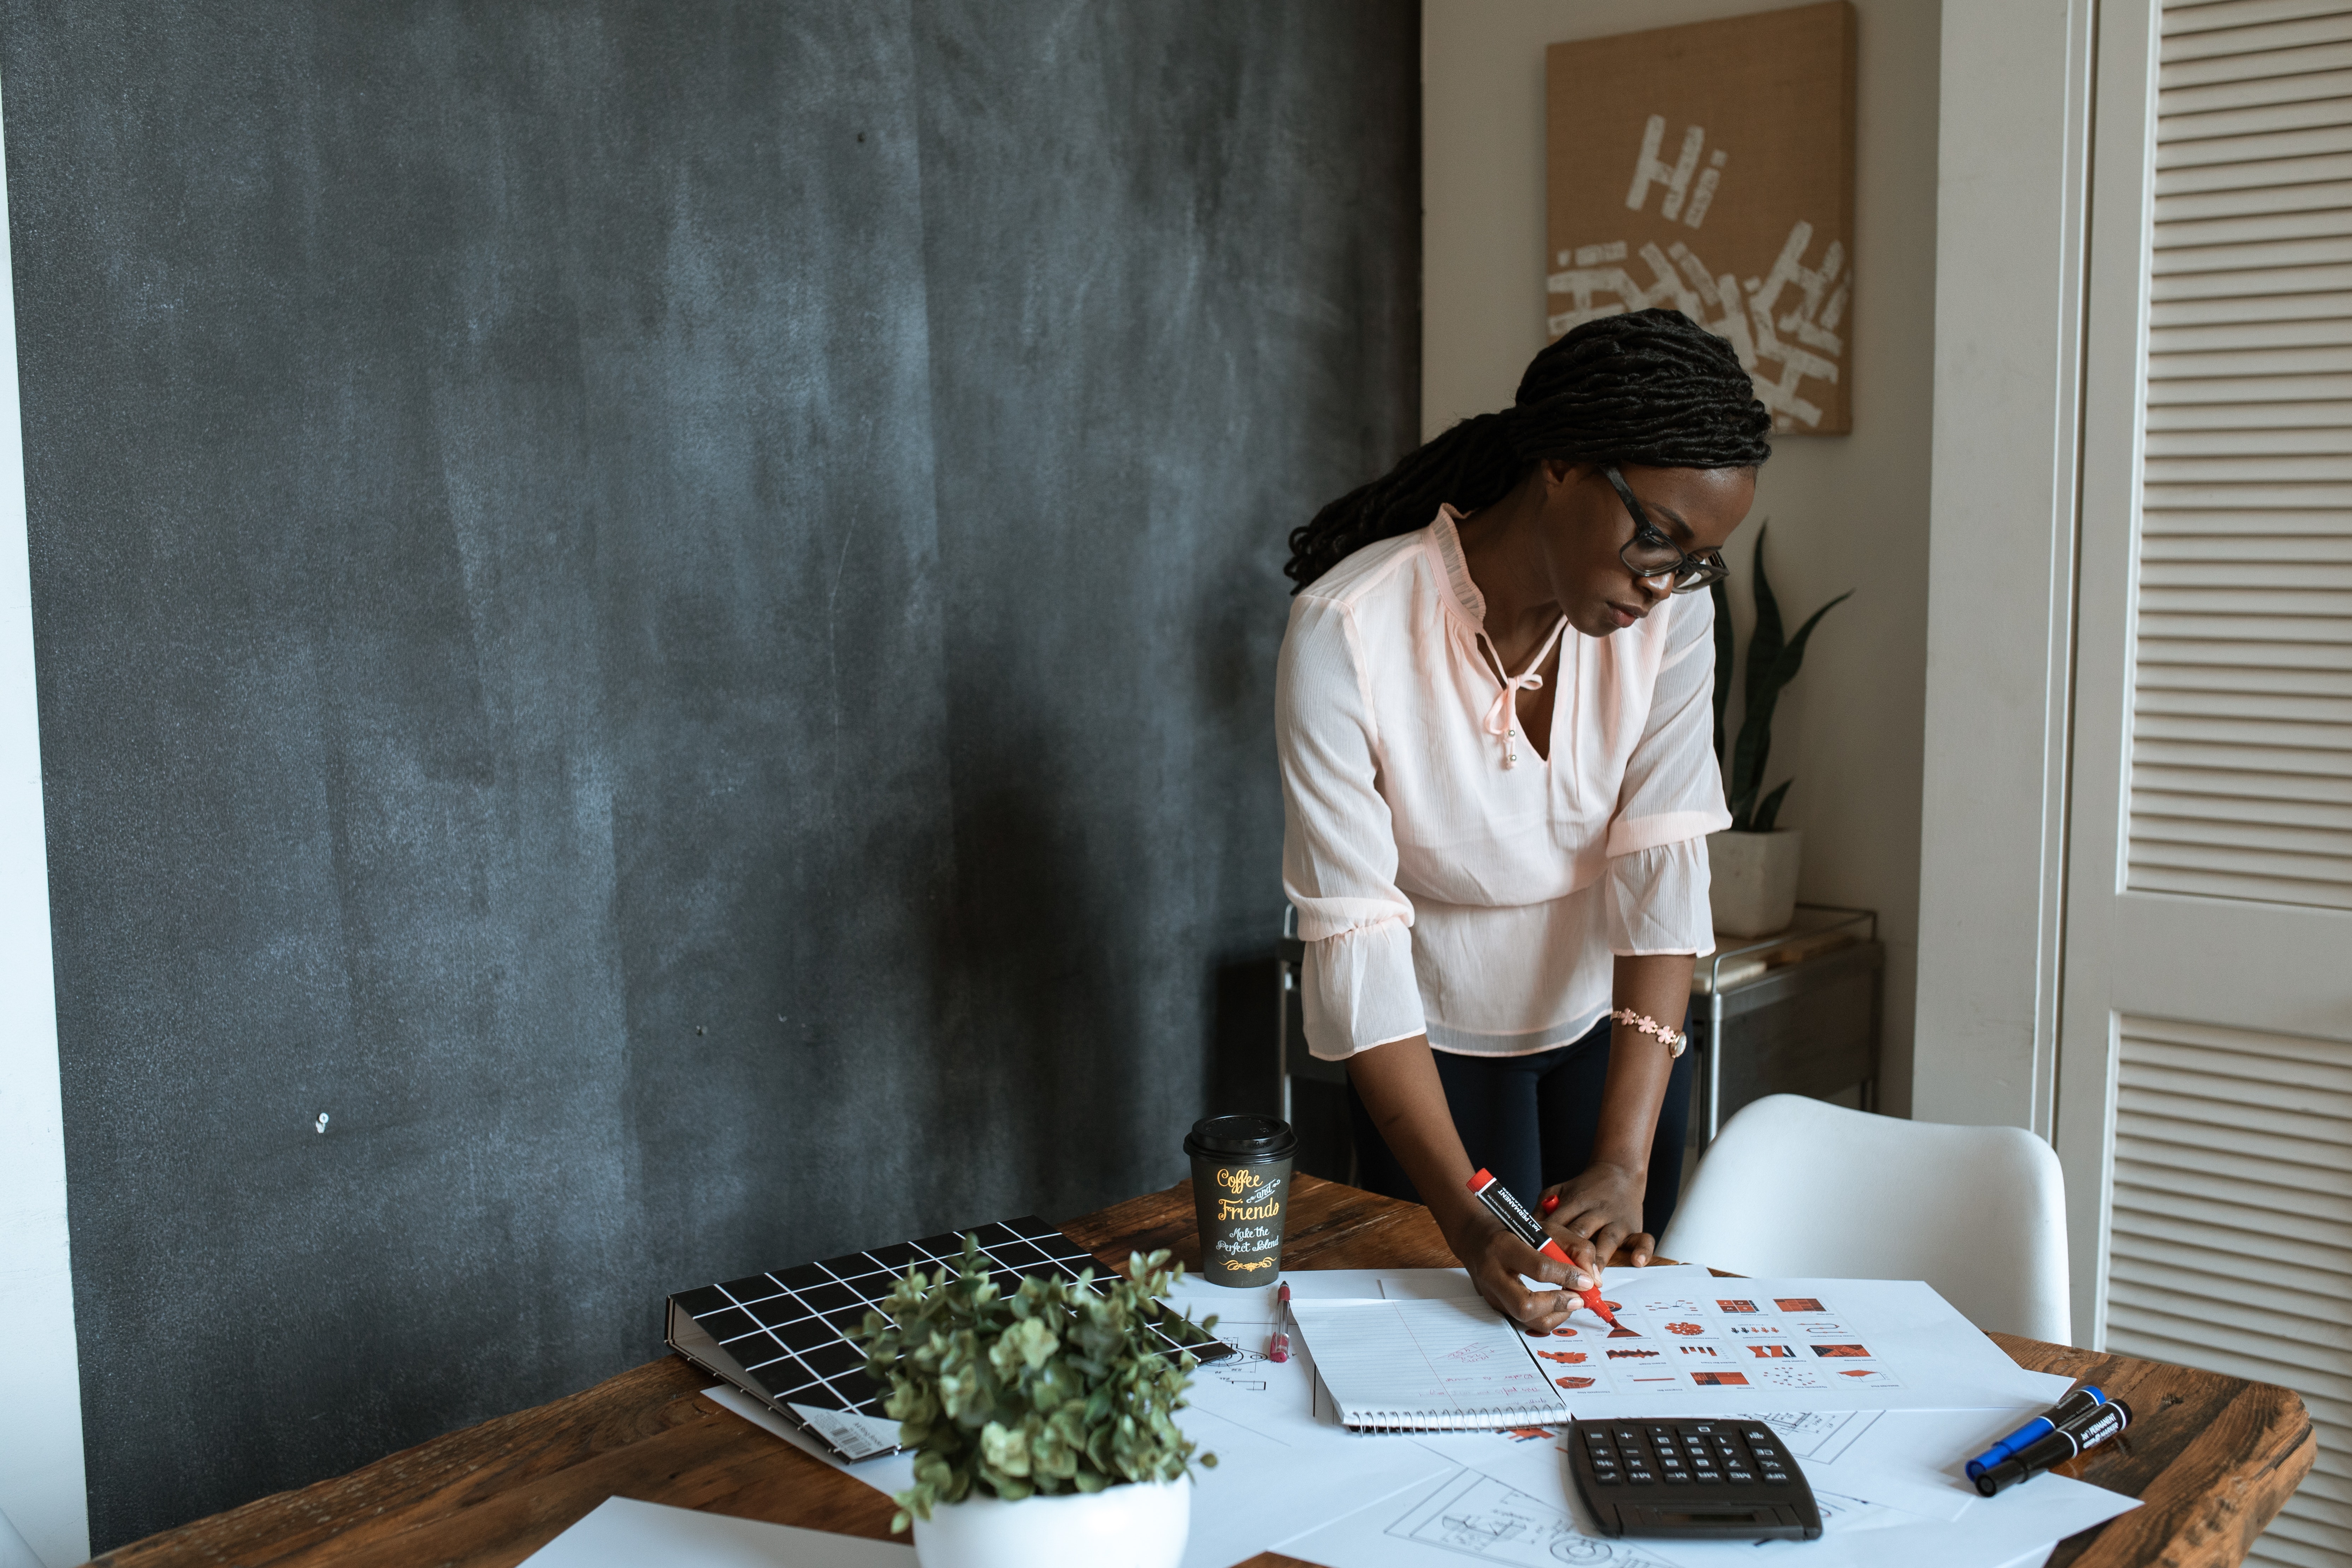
(1430, 1365)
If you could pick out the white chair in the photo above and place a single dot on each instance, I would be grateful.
(1794, 1188)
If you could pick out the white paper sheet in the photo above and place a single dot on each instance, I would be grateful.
(622, 1532)
(1515, 1507)
(1697, 1346)
(1447, 1361)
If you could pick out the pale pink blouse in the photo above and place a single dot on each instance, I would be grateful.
(1448, 878)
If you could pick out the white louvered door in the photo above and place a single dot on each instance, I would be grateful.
(2205, 1071)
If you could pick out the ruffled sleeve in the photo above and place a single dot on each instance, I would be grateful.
(1338, 849)
(1671, 800)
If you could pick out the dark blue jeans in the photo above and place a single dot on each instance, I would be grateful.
(1532, 1121)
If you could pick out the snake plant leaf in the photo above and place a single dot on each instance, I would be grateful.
(1763, 643)
(1772, 664)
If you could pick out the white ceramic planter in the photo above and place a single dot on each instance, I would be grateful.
(1134, 1526)
(1752, 880)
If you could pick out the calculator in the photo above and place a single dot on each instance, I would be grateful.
(1723, 1480)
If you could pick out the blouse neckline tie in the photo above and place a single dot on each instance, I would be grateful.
(1503, 713)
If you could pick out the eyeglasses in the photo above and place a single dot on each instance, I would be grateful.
(1650, 553)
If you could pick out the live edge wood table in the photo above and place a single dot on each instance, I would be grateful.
(2213, 1458)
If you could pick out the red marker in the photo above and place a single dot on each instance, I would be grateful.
(1519, 1223)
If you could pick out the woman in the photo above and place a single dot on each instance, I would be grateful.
(1494, 716)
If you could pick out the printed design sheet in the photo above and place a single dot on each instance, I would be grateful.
(1711, 1346)
(1513, 1506)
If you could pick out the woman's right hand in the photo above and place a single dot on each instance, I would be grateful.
(1495, 1260)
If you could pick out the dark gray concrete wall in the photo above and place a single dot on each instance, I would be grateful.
(668, 611)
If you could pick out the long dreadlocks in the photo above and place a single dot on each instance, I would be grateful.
(1654, 388)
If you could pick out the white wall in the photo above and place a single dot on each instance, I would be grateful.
(41, 1483)
(1847, 512)
(2009, 265)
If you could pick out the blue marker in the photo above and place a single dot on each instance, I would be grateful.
(2082, 1400)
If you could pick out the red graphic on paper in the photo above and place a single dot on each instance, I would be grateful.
(1624, 1333)
(1565, 1358)
(1840, 1351)
(1528, 1434)
(1684, 1328)
(1695, 1350)
(1860, 1371)
(1720, 1379)
(1737, 1306)
(1564, 1331)
(1630, 1355)
(1799, 1304)
(1772, 1353)
(1573, 1382)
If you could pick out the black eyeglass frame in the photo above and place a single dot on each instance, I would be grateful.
(1705, 567)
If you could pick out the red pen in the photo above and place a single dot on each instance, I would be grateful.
(1519, 1223)
(1277, 1348)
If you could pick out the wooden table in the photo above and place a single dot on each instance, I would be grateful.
(2214, 1456)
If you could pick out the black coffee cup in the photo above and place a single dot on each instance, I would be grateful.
(1241, 1191)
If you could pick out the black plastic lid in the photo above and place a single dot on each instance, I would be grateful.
(1242, 1138)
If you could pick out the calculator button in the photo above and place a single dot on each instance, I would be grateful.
(1678, 1476)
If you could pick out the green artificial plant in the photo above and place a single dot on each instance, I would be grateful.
(1772, 663)
(1056, 1388)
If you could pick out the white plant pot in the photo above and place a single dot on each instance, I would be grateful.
(1752, 880)
(1136, 1526)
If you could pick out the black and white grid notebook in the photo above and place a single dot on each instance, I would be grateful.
(1445, 1364)
(782, 1337)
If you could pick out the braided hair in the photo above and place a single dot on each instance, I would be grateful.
(1653, 387)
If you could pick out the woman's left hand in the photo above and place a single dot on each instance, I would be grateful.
(1602, 1207)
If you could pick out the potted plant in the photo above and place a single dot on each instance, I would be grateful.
(1753, 863)
(1043, 1423)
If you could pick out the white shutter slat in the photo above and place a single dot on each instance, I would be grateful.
(2185, 262)
(2255, 421)
(2233, 1151)
(2314, 427)
(2317, 359)
(2224, 175)
(2249, 94)
(2218, 660)
(2321, 227)
(2175, 313)
(2326, 128)
(2253, 202)
(2317, 26)
(2181, 133)
(2286, 331)
(2185, 18)
(2257, 779)
(2263, 468)
(2284, 630)
(2252, 66)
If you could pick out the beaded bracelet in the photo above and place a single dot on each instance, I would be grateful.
(1673, 1041)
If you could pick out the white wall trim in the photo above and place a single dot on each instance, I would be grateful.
(43, 1490)
(2003, 538)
